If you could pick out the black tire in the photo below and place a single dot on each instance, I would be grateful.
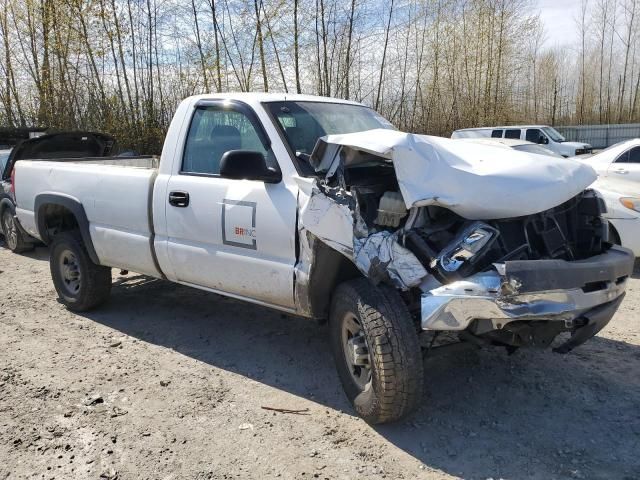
(13, 237)
(80, 283)
(396, 370)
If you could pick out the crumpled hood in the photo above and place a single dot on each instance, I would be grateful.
(478, 182)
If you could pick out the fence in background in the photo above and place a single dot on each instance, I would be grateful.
(600, 136)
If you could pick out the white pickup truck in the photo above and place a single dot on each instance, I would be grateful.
(320, 208)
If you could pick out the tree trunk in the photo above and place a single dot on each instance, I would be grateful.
(384, 56)
(265, 81)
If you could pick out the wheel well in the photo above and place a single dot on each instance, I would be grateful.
(53, 219)
(5, 203)
(330, 269)
(614, 235)
(57, 213)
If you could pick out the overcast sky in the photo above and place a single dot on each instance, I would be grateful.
(559, 18)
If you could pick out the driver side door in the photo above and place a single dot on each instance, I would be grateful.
(235, 237)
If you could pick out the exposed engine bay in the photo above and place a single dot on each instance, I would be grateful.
(455, 262)
(451, 248)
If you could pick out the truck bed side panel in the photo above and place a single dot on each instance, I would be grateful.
(115, 200)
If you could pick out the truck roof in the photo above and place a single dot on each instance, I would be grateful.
(259, 97)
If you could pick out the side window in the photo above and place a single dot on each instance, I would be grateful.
(512, 133)
(496, 134)
(634, 155)
(213, 132)
(623, 158)
(533, 135)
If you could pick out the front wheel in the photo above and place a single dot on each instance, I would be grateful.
(376, 350)
(13, 237)
(80, 283)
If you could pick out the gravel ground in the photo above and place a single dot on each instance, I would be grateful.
(167, 382)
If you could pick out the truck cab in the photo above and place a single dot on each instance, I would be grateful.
(215, 211)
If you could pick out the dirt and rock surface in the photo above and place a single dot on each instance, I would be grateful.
(167, 382)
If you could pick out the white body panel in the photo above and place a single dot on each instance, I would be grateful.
(625, 221)
(238, 237)
(115, 200)
(629, 232)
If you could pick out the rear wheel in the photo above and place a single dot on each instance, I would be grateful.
(13, 236)
(376, 349)
(80, 283)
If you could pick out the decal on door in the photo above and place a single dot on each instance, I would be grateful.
(239, 223)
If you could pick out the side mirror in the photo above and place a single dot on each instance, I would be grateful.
(247, 165)
(543, 140)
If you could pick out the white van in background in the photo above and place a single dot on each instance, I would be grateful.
(519, 145)
(541, 134)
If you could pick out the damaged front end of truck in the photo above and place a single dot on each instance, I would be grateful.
(502, 247)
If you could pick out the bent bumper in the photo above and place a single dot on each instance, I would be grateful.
(530, 290)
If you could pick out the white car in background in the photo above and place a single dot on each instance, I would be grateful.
(623, 211)
(618, 162)
(618, 169)
(519, 145)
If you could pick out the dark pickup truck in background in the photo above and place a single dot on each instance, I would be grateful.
(55, 146)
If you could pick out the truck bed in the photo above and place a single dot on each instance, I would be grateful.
(115, 193)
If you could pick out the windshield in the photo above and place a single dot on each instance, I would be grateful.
(302, 123)
(553, 134)
(536, 149)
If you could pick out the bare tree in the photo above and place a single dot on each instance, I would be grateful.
(384, 56)
(630, 9)
(429, 65)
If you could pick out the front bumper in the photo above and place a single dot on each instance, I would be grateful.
(530, 290)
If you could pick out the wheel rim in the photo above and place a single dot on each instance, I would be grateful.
(69, 269)
(356, 351)
(10, 230)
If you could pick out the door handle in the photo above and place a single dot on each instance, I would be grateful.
(179, 199)
(622, 171)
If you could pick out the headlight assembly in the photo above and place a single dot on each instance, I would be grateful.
(632, 203)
